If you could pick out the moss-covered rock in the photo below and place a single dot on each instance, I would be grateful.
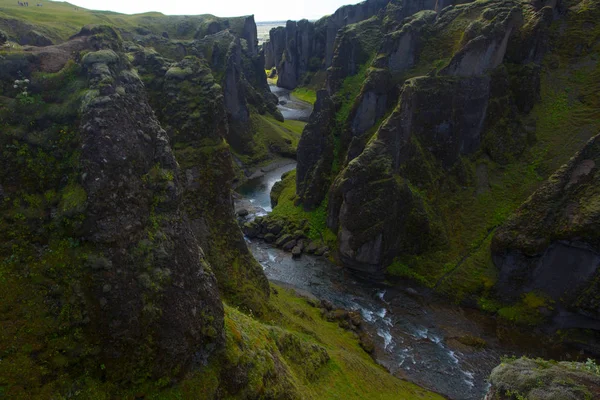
(551, 242)
(539, 379)
(191, 106)
(95, 215)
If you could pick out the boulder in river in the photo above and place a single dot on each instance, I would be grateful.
(251, 229)
(289, 245)
(297, 251)
(269, 238)
(284, 240)
(311, 248)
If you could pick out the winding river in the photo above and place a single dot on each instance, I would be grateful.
(417, 337)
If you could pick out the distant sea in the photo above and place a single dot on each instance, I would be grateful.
(263, 29)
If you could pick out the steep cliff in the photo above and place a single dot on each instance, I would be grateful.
(550, 245)
(445, 122)
(93, 224)
(117, 233)
(305, 47)
(191, 107)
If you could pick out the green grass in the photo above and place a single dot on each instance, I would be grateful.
(61, 20)
(317, 219)
(271, 81)
(565, 119)
(272, 136)
(282, 357)
(305, 94)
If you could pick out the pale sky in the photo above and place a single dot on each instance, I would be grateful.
(263, 10)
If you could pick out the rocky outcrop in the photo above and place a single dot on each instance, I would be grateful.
(191, 107)
(551, 244)
(471, 104)
(170, 292)
(140, 294)
(316, 153)
(297, 52)
(540, 379)
(394, 221)
(487, 48)
(304, 46)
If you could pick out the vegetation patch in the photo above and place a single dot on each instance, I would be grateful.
(305, 94)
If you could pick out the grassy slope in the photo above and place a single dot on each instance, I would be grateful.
(288, 210)
(305, 94)
(349, 374)
(271, 134)
(60, 20)
(565, 118)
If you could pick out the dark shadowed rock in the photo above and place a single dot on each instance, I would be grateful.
(315, 153)
(131, 179)
(551, 244)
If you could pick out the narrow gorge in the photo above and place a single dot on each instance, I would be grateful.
(399, 200)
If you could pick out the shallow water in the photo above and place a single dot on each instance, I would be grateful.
(413, 334)
(291, 107)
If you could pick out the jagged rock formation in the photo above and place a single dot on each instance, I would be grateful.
(198, 130)
(142, 295)
(551, 244)
(433, 113)
(438, 119)
(540, 379)
(316, 152)
(304, 47)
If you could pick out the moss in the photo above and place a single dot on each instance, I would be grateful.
(73, 200)
(288, 210)
(100, 56)
(528, 311)
(271, 137)
(526, 378)
(305, 94)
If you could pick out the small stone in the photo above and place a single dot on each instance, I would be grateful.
(366, 342)
(296, 251)
(299, 234)
(274, 228)
(283, 240)
(289, 245)
(321, 251)
(326, 304)
(311, 248)
(243, 212)
(270, 238)
(106, 288)
(250, 229)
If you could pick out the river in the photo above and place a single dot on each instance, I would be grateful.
(417, 336)
(291, 107)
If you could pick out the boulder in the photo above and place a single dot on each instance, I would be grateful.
(288, 246)
(311, 248)
(297, 251)
(251, 229)
(284, 239)
(541, 379)
(270, 238)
